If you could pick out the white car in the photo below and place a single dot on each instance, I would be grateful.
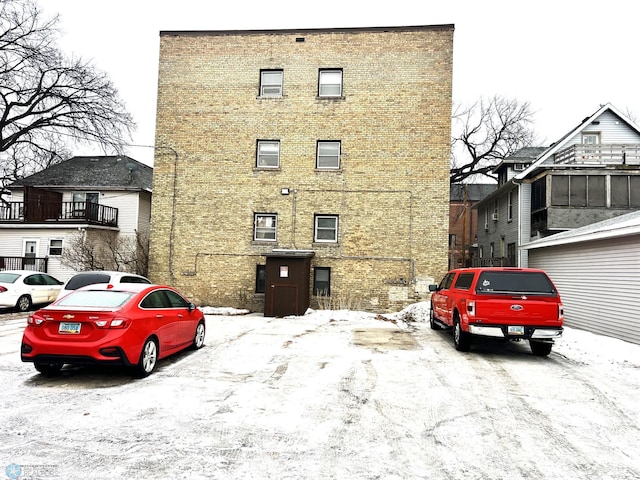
(83, 279)
(23, 288)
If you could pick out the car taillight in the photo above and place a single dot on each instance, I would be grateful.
(560, 312)
(471, 308)
(2, 289)
(113, 323)
(35, 321)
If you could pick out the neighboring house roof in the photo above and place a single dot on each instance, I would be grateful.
(96, 172)
(620, 226)
(524, 155)
(562, 143)
(475, 191)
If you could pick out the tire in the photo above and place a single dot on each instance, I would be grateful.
(148, 358)
(48, 369)
(432, 322)
(198, 338)
(24, 303)
(540, 349)
(461, 339)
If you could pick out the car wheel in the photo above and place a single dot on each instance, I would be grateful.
(198, 339)
(24, 303)
(461, 339)
(540, 349)
(432, 322)
(148, 358)
(48, 369)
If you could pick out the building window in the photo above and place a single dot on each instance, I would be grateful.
(268, 154)
(590, 138)
(55, 248)
(261, 272)
(328, 155)
(322, 281)
(625, 191)
(326, 228)
(271, 83)
(265, 227)
(330, 83)
(510, 206)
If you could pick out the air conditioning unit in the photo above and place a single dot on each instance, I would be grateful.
(494, 217)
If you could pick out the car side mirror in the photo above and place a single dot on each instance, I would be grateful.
(433, 288)
(192, 307)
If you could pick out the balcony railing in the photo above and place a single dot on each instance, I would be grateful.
(68, 212)
(493, 262)
(600, 154)
(36, 264)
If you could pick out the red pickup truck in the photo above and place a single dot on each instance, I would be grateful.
(509, 303)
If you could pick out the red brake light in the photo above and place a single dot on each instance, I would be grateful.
(35, 321)
(3, 289)
(113, 323)
(109, 287)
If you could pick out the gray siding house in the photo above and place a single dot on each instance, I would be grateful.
(589, 175)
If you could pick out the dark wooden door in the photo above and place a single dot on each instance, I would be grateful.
(286, 286)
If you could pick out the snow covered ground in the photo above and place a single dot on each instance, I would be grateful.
(330, 395)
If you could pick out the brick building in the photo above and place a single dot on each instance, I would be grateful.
(295, 168)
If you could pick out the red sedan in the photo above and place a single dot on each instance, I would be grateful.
(133, 325)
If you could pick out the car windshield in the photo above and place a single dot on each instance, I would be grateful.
(515, 282)
(96, 298)
(84, 279)
(8, 277)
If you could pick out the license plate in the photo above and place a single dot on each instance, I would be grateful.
(515, 330)
(66, 327)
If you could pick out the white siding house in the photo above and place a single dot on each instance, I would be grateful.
(82, 194)
(597, 271)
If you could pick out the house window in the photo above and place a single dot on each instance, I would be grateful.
(330, 83)
(55, 247)
(510, 206)
(271, 83)
(559, 191)
(265, 227)
(596, 191)
(268, 154)
(625, 191)
(486, 219)
(590, 138)
(328, 155)
(492, 250)
(261, 272)
(511, 253)
(326, 228)
(322, 281)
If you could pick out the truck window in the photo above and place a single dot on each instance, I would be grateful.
(446, 281)
(464, 281)
(533, 283)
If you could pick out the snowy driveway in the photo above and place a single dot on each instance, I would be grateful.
(331, 395)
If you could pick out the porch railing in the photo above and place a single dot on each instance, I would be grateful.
(74, 212)
(37, 264)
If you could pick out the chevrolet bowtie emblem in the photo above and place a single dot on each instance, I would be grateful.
(68, 316)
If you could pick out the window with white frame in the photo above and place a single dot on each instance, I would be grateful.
(55, 247)
(328, 155)
(271, 83)
(590, 138)
(268, 155)
(265, 226)
(326, 228)
(330, 83)
(510, 206)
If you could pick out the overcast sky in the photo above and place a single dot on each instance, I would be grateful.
(565, 58)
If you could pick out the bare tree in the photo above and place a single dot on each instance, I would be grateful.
(46, 98)
(487, 132)
(105, 250)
